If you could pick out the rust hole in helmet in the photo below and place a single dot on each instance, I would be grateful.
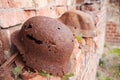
(72, 40)
(49, 49)
(30, 26)
(73, 34)
(49, 46)
(58, 28)
(75, 27)
(34, 39)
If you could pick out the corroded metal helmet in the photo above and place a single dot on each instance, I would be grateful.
(79, 22)
(46, 44)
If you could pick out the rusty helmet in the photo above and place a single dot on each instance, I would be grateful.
(80, 23)
(46, 44)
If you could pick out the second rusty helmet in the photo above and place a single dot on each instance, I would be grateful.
(79, 22)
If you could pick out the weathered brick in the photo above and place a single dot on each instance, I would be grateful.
(20, 3)
(117, 35)
(40, 3)
(4, 4)
(79, 1)
(43, 12)
(61, 2)
(70, 2)
(61, 10)
(29, 13)
(46, 12)
(10, 17)
(112, 37)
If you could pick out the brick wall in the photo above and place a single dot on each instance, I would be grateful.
(98, 12)
(113, 23)
(13, 13)
(116, 2)
(112, 36)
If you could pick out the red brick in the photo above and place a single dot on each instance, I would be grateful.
(112, 37)
(20, 3)
(10, 17)
(108, 31)
(70, 2)
(29, 13)
(61, 10)
(117, 35)
(111, 24)
(40, 3)
(46, 12)
(49, 1)
(61, 2)
(113, 31)
(4, 4)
